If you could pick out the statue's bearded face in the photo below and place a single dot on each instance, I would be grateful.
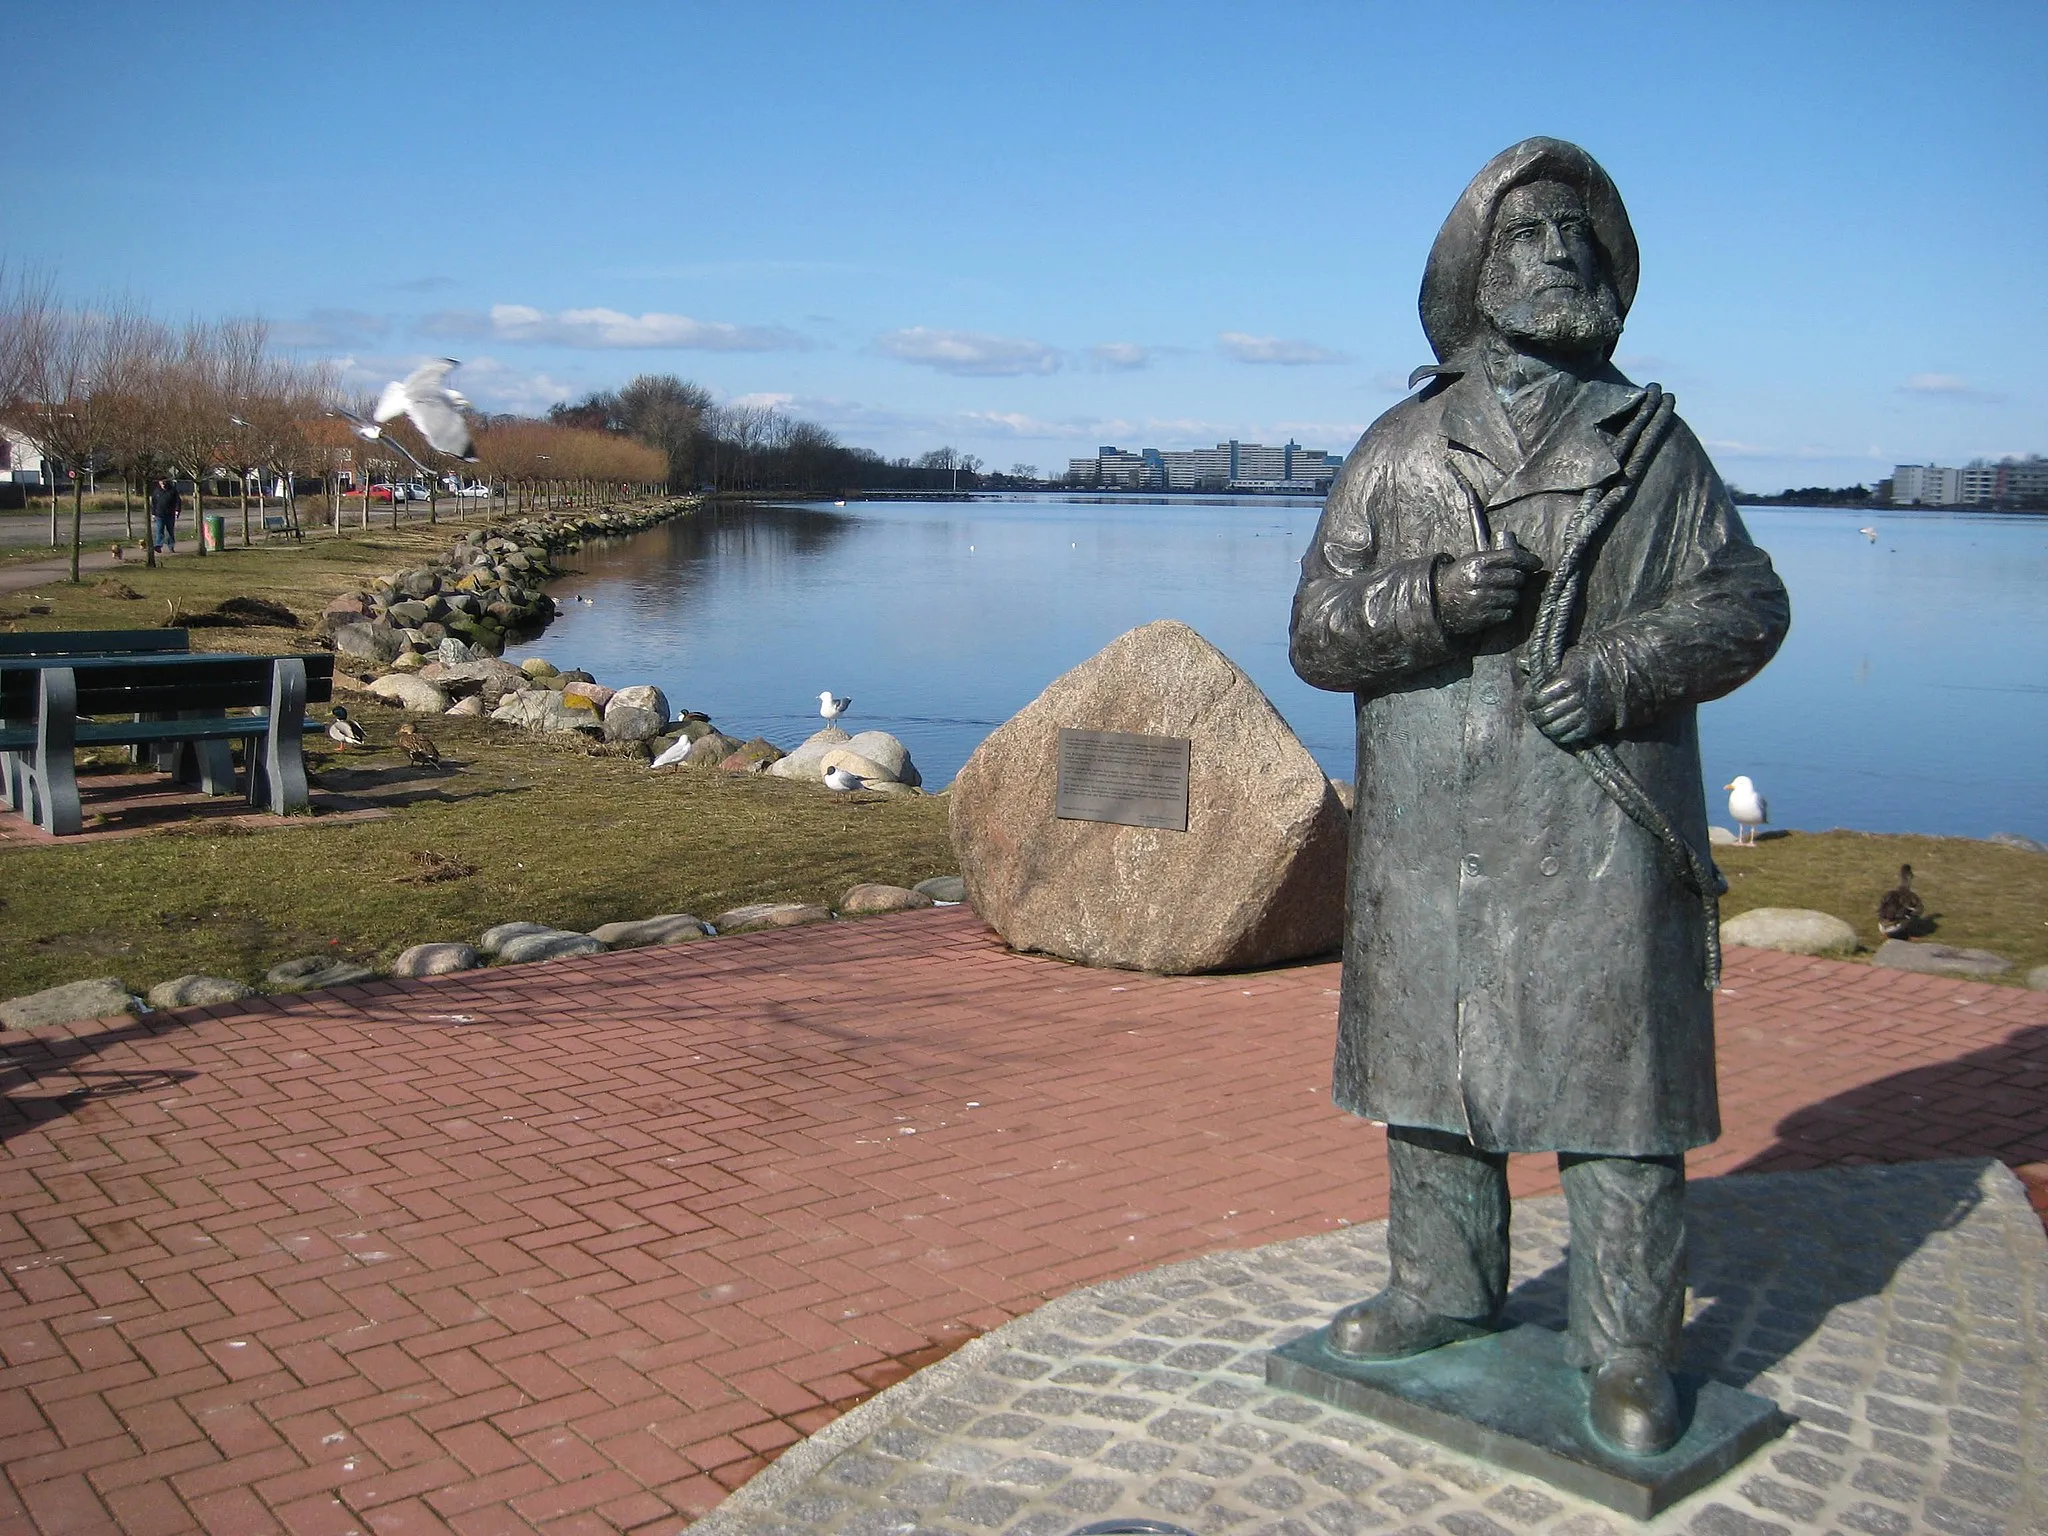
(1545, 284)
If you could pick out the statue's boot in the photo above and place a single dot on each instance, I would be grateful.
(1634, 1407)
(1393, 1324)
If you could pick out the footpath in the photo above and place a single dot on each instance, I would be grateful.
(584, 1246)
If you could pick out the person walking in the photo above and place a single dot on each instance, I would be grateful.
(164, 505)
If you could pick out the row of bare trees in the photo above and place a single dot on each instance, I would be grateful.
(109, 390)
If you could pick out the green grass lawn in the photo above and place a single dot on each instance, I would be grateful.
(1979, 895)
(555, 836)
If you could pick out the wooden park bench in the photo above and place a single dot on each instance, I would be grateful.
(277, 522)
(50, 705)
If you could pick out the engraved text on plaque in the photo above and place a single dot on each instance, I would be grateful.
(1136, 781)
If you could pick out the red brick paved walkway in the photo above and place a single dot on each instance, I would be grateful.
(576, 1247)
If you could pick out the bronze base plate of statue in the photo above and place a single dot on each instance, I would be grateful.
(1529, 576)
(1512, 1399)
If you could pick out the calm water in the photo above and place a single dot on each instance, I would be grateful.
(1911, 696)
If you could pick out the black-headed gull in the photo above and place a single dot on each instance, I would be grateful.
(837, 777)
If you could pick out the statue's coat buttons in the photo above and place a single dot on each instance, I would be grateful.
(1548, 866)
(1471, 863)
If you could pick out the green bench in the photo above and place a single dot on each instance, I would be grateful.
(180, 703)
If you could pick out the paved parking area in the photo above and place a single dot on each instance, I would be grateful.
(579, 1247)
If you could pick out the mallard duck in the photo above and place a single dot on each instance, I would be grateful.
(424, 753)
(1747, 807)
(1900, 909)
(344, 732)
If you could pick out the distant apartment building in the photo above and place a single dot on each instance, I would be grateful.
(2012, 482)
(1226, 467)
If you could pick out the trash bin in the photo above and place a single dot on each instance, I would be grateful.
(215, 533)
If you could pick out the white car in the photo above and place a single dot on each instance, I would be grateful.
(410, 490)
(473, 490)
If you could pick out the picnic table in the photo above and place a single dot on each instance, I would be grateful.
(186, 708)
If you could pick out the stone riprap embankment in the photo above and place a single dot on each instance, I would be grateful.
(486, 589)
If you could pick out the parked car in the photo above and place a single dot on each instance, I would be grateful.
(473, 490)
(377, 492)
(410, 490)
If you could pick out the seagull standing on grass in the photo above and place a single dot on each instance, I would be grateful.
(674, 753)
(837, 777)
(830, 707)
(1747, 807)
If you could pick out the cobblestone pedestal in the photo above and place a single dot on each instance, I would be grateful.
(1895, 1313)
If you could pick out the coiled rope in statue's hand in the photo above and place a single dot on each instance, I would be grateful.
(1637, 444)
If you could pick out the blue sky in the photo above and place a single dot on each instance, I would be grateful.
(1028, 229)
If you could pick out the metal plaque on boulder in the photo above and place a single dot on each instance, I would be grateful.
(1119, 776)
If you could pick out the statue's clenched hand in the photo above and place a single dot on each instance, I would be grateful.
(1482, 589)
(1579, 703)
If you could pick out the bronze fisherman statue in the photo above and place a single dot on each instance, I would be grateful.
(1529, 575)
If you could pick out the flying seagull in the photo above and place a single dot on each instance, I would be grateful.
(830, 707)
(1868, 533)
(426, 400)
(1747, 807)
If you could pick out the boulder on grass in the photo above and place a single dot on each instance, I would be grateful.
(709, 751)
(886, 753)
(643, 696)
(550, 944)
(415, 694)
(541, 710)
(497, 936)
(197, 991)
(946, 888)
(310, 972)
(866, 900)
(377, 641)
(769, 914)
(1792, 930)
(671, 928)
(752, 756)
(435, 960)
(1257, 877)
(807, 762)
(98, 998)
(627, 722)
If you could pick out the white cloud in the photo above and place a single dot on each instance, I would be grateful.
(968, 352)
(1245, 348)
(763, 400)
(611, 329)
(1945, 386)
(1120, 356)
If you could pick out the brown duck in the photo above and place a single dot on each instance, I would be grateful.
(424, 753)
(1900, 909)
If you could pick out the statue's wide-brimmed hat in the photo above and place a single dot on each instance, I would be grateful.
(1450, 283)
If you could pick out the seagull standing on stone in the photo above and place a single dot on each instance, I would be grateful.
(1747, 807)
(830, 707)
(425, 399)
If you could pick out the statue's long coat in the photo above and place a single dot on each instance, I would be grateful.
(1520, 966)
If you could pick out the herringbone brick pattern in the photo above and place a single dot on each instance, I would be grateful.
(578, 1247)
